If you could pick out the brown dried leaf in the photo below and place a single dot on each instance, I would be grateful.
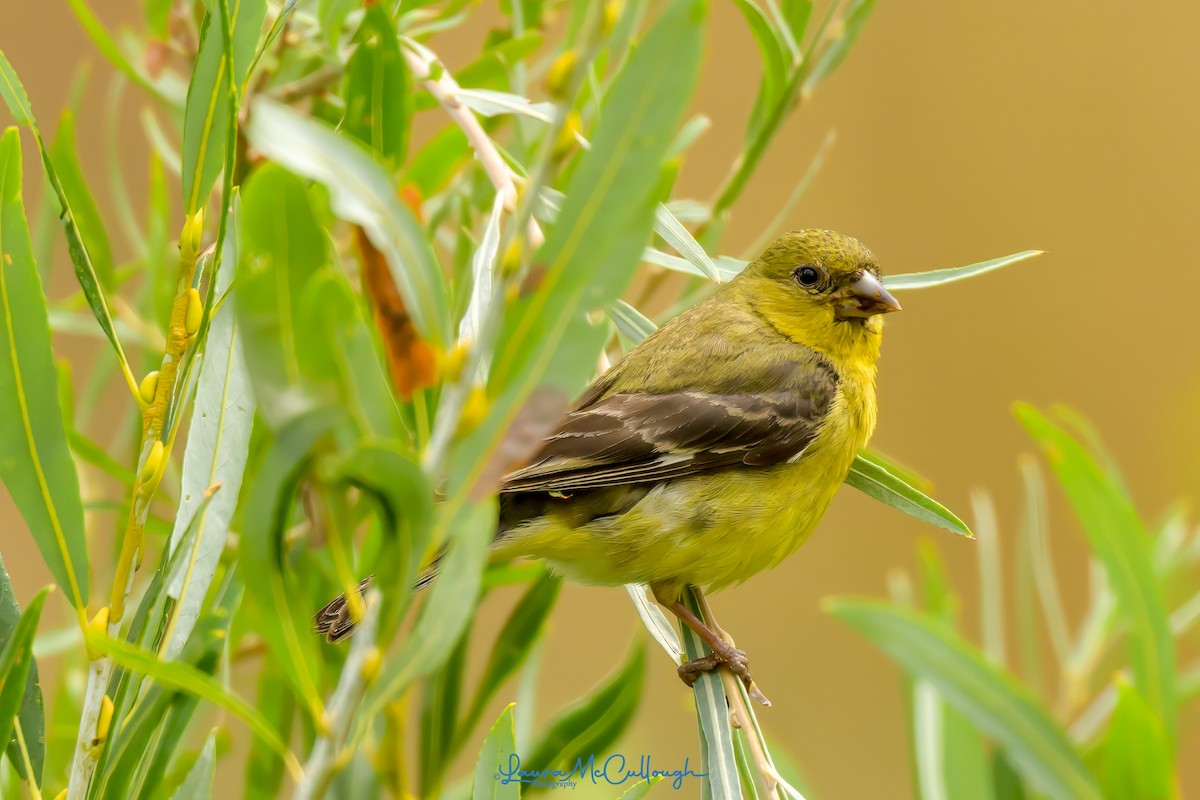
(411, 362)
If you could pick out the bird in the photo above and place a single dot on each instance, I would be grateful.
(712, 449)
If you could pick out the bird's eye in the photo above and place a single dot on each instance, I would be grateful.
(807, 276)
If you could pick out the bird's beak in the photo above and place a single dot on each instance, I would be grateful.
(866, 298)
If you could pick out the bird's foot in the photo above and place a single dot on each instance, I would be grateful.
(726, 656)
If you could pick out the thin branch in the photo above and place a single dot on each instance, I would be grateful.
(326, 752)
(439, 83)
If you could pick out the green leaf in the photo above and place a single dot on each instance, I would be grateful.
(377, 89)
(87, 215)
(85, 272)
(872, 477)
(283, 248)
(217, 449)
(266, 516)
(498, 748)
(640, 789)
(264, 772)
(593, 249)
(209, 104)
(673, 233)
(1119, 541)
(986, 695)
(450, 606)
(718, 754)
(35, 462)
(361, 192)
(594, 723)
(198, 785)
(1134, 759)
(513, 644)
(630, 322)
(834, 53)
(16, 665)
(922, 280)
(104, 42)
(18, 668)
(775, 58)
(391, 477)
(178, 675)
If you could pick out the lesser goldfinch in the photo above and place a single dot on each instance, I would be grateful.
(712, 449)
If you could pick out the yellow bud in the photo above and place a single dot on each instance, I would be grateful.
(104, 721)
(97, 627)
(192, 235)
(149, 386)
(454, 362)
(611, 16)
(566, 141)
(61, 795)
(153, 462)
(371, 665)
(195, 312)
(558, 77)
(511, 260)
(474, 411)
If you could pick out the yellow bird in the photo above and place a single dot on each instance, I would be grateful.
(712, 449)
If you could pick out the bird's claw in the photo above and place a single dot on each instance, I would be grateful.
(732, 658)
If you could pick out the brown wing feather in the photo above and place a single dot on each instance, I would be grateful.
(639, 438)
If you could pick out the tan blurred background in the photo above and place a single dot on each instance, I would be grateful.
(965, 131)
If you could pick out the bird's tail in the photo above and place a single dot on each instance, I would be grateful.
(334, 621)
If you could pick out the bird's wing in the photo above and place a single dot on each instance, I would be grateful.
(640, 438)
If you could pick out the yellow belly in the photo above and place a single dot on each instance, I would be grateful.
(710, 530)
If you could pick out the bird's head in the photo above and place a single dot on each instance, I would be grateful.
(821, 289)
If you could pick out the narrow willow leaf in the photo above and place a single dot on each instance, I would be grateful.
(282, 250)
(594, 723)
(674, 234)
(640, 789)
(31, 713)
(1120, 543)
(87, 215)
(217, 448)
(267, 514)
(361, 192)
(178, 675)
(483, 264)
(692, 130)
(594, 247)
(834, 53)
(264, 772)
(491, 103)
(104, 42)
(198, 785)
(873, 478)
(376, 90)
(85, 272)
(389, 475)
(1135, 757)
(16, 667)
(209, 105)
(775, 58)
(719, 760)
(35, 462)
(655, 621)
(630, 322)
(449, 608)
(499, 748)
(922, 280)
(512, 646)
(985, 694)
